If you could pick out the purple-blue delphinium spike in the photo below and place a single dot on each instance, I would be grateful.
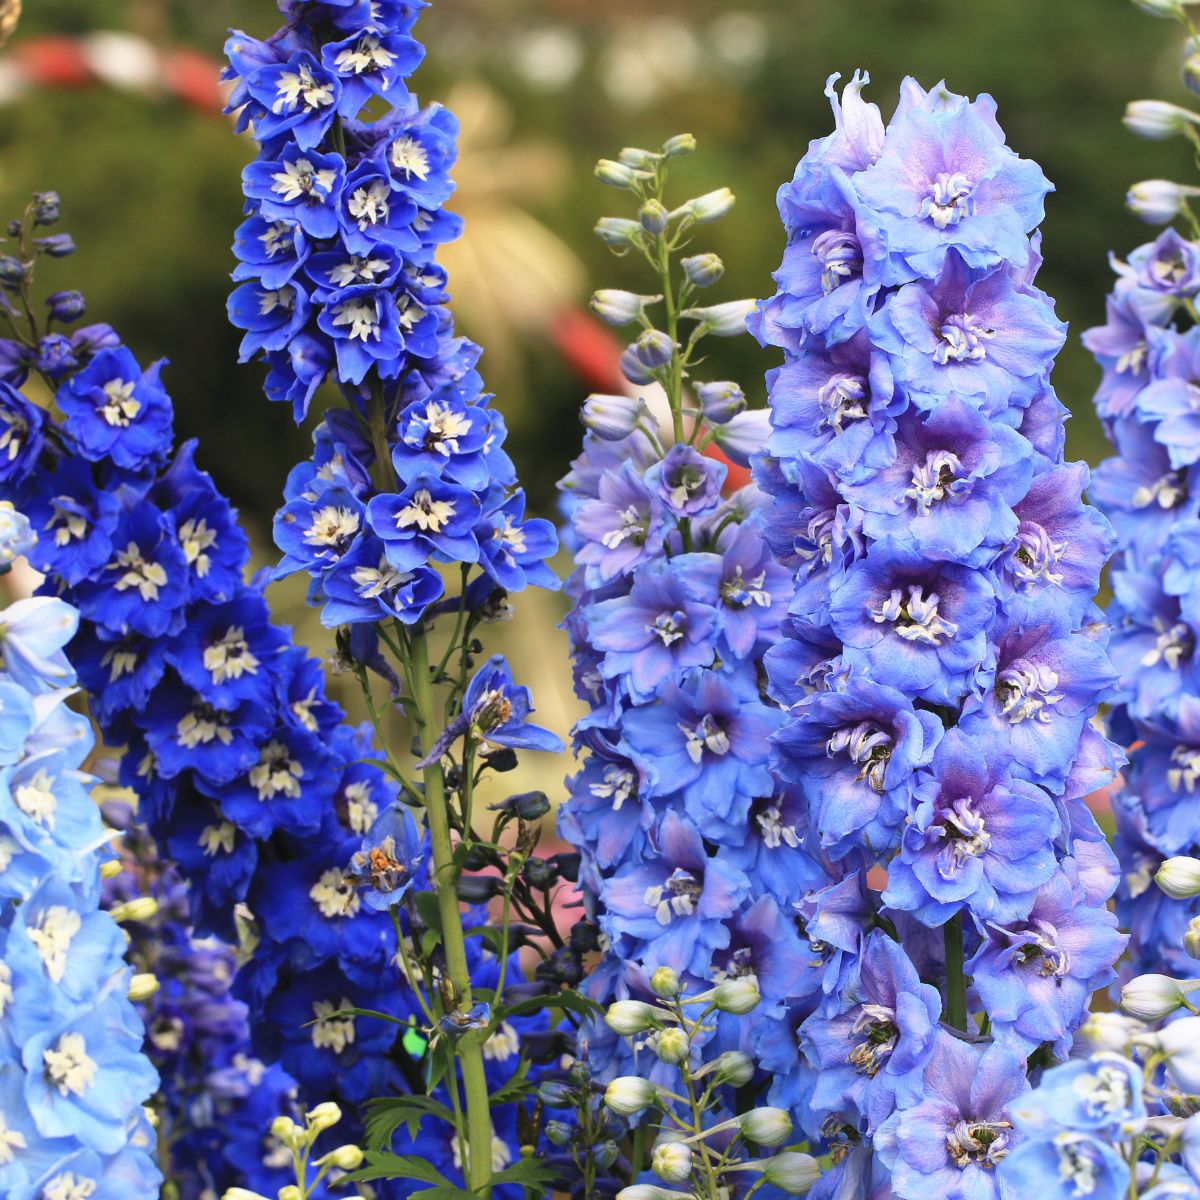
(941, 656)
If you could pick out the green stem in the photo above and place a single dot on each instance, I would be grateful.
(710, 1174)
(956, 980)
(477, 1152)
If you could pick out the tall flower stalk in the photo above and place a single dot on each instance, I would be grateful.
(408, 517)
(942, 658)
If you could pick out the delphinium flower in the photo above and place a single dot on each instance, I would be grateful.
(941, 656)
(407, 522)
(691, 853)
(247, 775)
(216, 1100)
(1120, 1120)
(1151, 493)
(73, 1077)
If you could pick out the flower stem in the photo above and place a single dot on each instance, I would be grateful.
(478, 1134)
(956, 981)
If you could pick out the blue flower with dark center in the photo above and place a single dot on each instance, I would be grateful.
(431, 516)
(299, 97)
(302, 186)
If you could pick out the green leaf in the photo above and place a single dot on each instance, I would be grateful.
(428, 911)
(568, 1001)
(382, 1164)
(515, 1088)
(386, 1114)
(529, 1173)
(490, 934)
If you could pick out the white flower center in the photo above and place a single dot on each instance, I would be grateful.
(915, 618)
(68, 1067)
(230, 657)
(69, 1186)
(300, 179)
(369, 204)
(361, 810)
(52, 935)
(276, 773)
(36, 799)
(949, 199)
(706, 735)
(330, 1032)
(676, 897)
(332, 526)
(1025, 689)
(300, 87)
(202, 725)
(774, 832)
(365, 55)
(361, 315)
(409, 156)
(502, 1045)
(335, 895)
(617, 785)
(119, 407)
(10, 1140)
(426, 513)
(137, 572)
(373, 582)
(195, 537)
(218, 839)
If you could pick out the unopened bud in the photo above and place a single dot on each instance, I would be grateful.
(665, 983)
(639, 159)
(628, 1094)
(618, 232)
(605, 1153)
(672, 1162)
(634, 369)
(1179, 877)
(1191, 66)
(654, 217)
(615, 307)
(703, 270)
(285, 1130)
(1158, 201)
(738, 996)
(712, 206)
(241, 1193)
(679, 145)
(616, 174)
(672, 1046)
(723, 320)
(324, 1116)
(721, 401)
(289, 1191)
(1191, 938)
(1156, 119)
(1161, 8)
(1108, 1031)
(142, 987)
(744, 435)
(345, 1158)
(613, 417)
(654, 349)
(1153, 997)
(792, 1172)
(765, 1126)
(111, 869)
(141, 908)
(733, 1068)
(628, 1017)
(558, 1133)
(650, 1191)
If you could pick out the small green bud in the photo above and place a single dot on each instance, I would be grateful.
(738, 996)
(1191, 939)
(712, 206)
(1155, 997)
(288, 1132)
(792, 1172)
(732, 1068)
(665, 983)
(679, 145)
(345, 1158)
(142, 987)
(142, 908)
(703, 270)
(1156, 119)
(1179, 877)
(672, 1046)
(324, 1116)
(628, 1017)
(618, 232)
(765, 1126)
(615, 307)
(616, 174)
(723, 320)
(558, 1133)
(640, 160)
(672, 1162)
(628, 1095)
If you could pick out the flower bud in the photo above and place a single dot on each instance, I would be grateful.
(737, 996)
(618, 232)
(634, 369)
(1191, 938)
(613, 417)
(672, 1162)
(703, 270)
(650, 1191)
(721, 401)
(679, 145)
(617, 308)
(733, 1068)
(743, 435)
(1156, 119)
(1158, 201)
(654, 349)
(66, 306)
(324, 1116)
(285, 1130)
(241, 1193)
(712, 206)
(765, 1126)
(12, 270)
(1191, 66)
(289, 1191)
(111, 869)
(792, 1172)
(672, 1046)
(1161, 8)
(141, 908)
(654, 217)
(639, 159)
(45, 208)
(345, 1158)
(1179, 877)
(627, 1095)
(1153, 997)
(57, 245)
(628, 1017)
(558, 1133)
(142, 987)
(723, 320)
(665, 983)
(616, 174)
(605, 1153)
(1108, 1031)
(555, 1094)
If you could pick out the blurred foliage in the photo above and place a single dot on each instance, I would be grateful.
(151, 187)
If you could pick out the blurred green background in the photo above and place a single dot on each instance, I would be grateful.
(151, 185)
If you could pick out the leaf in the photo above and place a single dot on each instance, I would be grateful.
(386, 1114)
(382, 1164)
(515, 1088)
(566, 1000)
(428, 911)
(529, 1173)
(491, 935)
